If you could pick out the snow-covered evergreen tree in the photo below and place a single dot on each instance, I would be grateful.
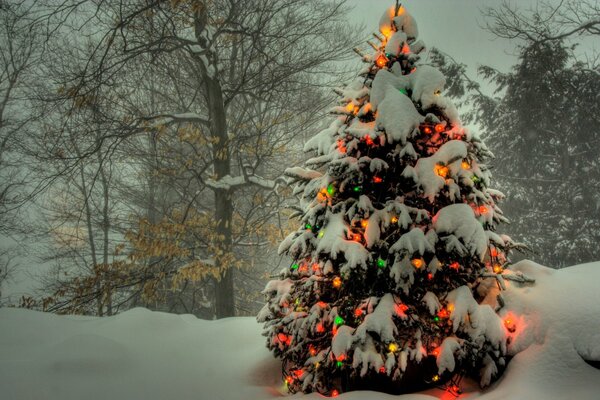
(387, 287)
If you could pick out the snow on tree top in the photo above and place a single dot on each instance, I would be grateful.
(403, 22)
(396, 43)
(459, 220)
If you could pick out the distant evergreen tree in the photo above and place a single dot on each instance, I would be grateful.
(545, 129)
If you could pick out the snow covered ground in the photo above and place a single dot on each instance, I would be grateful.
(148, 355)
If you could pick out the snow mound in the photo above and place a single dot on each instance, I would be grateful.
(148, 355)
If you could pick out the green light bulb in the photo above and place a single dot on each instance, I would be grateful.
(338, 320)
(295, 266)
(330, 189)
(380, 263)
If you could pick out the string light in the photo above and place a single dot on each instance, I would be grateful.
(427, 130)
(377, 179)
(441, 170)
(337, 282)
(417, 262)
(394, 219)
(338, 320)
(455, 266)
(435, 378)
(381, 61)
(393, 347)
(439, 128)
(357, 188)
(295, 266)
(335, 393)
(380, 263)
(465, 165)
(350, 107)
(494, 252)
(498, 269)
(358, 312)
(369, 141)
(308, 226)
(400, 309)
(330, 189)
(364, 223)
(483, 209)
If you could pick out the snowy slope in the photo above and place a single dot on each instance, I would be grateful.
(148, 355)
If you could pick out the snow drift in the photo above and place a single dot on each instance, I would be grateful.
(148, 355)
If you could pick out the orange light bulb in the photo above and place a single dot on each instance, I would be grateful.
(417, 262)
(439, 128)
(337, 282)
(381, 61)
(441, 170)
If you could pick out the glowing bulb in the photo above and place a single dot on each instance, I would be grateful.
(308, 226)
(483, 209)
(357, 188)
(427, 130)
(439, 128)
(498, 269)
(455, 266)
(289, 380)
(364, 223)
(393, 347)
(394, 219)
(386, 31)
(330, 189)
(381, 61)
(350, 107)
(377, 179)
(295, 266)
(382, 370)
(369, 141)
(338, 320)
(356, 237)
(494, 252)
(337, 282)
(417, 262)
(435, 378)
(465, 165)
(441, 170)
(358, 312)
(380, 263)
(335, 393)
(320, 328)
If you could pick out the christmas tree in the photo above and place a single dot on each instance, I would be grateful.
(391, 287)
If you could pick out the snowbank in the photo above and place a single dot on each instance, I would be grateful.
(149, 355)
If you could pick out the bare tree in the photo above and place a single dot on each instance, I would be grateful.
(233, 85)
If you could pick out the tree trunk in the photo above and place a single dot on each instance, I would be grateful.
(224, 289)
